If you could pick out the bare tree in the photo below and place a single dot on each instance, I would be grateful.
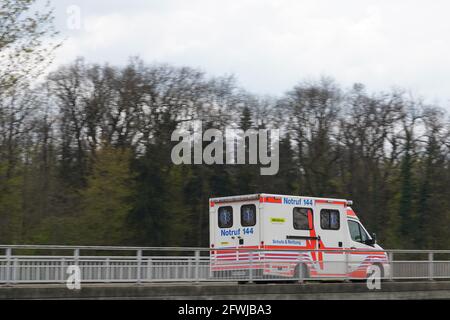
(26, 41)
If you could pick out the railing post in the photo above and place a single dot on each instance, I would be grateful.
(391, 264)
(251, 267)
(107, 271)
(300, 271)
(8, 265)
(149, 269)
(15, 267)
(189, 269)
(197, 266)
(430, 266)
(347, 265)
(139, 263)
(76, 256)
(63, 270)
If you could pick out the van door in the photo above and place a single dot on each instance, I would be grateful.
(330, 228)
(249, 215)
(227, 227)
(238, 228)
(360, 257)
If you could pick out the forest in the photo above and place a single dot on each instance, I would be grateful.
(85, 151)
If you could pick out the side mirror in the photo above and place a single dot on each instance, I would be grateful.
(373, 241)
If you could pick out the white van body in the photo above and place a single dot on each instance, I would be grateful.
(272, 225)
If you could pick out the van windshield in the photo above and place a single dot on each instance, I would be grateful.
(357, 232)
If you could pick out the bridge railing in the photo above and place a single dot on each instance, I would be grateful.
(54, 264)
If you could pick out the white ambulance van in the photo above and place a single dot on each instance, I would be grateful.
(284, 236)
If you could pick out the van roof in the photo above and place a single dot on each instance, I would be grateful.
(264, 195)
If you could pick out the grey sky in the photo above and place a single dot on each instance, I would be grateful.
(271, 45)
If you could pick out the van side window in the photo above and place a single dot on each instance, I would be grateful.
(225, 217)
(330, 219)
(303, 219)
(357, 232)
(248, 215)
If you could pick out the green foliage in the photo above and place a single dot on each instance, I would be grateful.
(107, 199)
(11, 213)
(25, 41)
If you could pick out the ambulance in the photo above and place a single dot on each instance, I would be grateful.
(279, 236)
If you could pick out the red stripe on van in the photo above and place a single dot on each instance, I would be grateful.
(339, 203)
(270, 200)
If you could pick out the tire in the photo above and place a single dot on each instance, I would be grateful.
(379, 266)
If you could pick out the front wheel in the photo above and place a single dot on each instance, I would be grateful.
(378, 268)
(373, 269)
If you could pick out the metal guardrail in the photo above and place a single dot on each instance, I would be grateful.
(21, 264)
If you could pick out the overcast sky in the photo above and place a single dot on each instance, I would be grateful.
(271, 45)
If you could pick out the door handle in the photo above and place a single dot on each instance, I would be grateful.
(353, 248)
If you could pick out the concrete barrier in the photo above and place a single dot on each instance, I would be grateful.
(224, 291)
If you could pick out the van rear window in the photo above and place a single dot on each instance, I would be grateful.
(330, 219)
(303, 219)
(225, 217)
(248, 215)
